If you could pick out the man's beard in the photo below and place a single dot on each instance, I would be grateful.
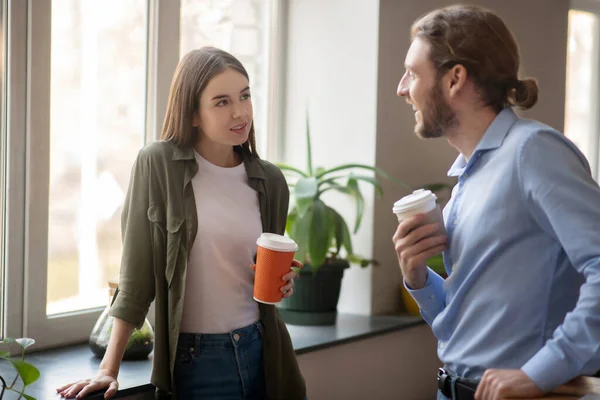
(436, 116)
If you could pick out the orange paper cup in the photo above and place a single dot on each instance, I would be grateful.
(273, 260)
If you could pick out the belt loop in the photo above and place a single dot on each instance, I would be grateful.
(197, 341)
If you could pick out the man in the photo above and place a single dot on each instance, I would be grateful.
(519, 313)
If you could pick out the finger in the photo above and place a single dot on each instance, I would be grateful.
(425, 245)
(288, 293)
(287, 287)
(297, 264)
(92, 387)
(289, 276)
(409, 224)
(63, 387)
(424, 231)
(112, 390)
(483, 388)
(73, 390)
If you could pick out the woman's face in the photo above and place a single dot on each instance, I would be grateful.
(225, 114)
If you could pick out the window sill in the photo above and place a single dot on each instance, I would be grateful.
(69, 364)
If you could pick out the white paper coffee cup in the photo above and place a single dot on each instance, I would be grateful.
(421, 201)
(276, 242)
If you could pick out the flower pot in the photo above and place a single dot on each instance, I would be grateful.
(315, 297)
(141, 341)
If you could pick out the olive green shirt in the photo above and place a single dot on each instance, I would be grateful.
(159, 226)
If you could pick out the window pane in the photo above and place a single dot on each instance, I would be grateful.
(3, 142)
(582, 84)
(240, 27)
(97, 116)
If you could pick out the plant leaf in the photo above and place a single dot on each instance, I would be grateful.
(334, 186)
(8, 340)
(26, 396)
(290, 222)
(289, 168)
(27, 372)
(360, 202)
(304, 193)
(368, 168)
(306, 188)
(301, 235)
(308, 146)
(25, 342)
(303, 205)
(319, 237)
(373, 181)
(4, 354)
(344, 232)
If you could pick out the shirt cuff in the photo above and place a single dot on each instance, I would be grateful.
(548, 370)
(431, 298)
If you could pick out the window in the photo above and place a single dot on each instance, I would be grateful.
(88, 83)
(240, 27)
(3, 27)
(97, 117)
(582, 113)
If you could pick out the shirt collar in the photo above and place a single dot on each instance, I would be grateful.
(251, 164)
(492, 138)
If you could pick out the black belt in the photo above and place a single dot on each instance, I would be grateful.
(464, 389)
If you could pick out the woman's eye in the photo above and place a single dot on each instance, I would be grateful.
(246, 96)
(222, 103)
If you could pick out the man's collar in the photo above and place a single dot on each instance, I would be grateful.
(492, 138)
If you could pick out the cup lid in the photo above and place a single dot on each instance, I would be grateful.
(272, 241)
(418, 198)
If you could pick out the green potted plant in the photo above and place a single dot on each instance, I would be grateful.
(323, 237)
(27, 372)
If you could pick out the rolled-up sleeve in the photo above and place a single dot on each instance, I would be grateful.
(136, 278)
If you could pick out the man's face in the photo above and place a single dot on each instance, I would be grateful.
(423, 90)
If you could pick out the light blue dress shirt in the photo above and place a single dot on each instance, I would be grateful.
(523, 261)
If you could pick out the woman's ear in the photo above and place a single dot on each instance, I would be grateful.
(196, 120)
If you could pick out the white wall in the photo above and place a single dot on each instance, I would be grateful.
(332, 68)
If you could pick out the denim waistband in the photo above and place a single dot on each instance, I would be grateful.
(232, 339)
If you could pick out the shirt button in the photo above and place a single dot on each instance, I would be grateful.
(441, 344)
(236, 337)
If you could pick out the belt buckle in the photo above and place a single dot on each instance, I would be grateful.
(442, 377)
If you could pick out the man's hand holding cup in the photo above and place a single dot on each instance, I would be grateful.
(420, 235)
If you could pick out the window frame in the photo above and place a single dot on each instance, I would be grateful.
(593, 7)
(3, 142)
(28, 152)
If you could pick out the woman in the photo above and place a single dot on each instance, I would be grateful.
(197, 201)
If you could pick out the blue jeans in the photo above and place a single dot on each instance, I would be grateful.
(225, 366)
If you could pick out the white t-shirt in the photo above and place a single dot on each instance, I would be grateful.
(220, 283)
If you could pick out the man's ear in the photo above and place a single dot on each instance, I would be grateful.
(456, 79)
